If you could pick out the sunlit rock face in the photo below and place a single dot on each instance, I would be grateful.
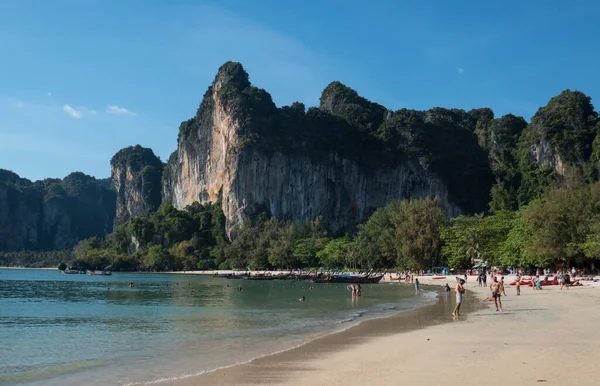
(239, 150)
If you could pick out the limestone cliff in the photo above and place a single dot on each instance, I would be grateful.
(562, 132)
(136, 176)
(53, 213)
(340, 161)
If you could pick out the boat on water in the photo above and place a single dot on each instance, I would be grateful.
(231, 276)
(72, 272)
(99, 273)
(360, 279)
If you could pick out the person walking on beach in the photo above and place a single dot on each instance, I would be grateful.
(496, 288)
(460, 290)
(484, 279)
(417, 285)
(502, 284)
(518, 285)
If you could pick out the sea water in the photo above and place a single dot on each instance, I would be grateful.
(83, 330)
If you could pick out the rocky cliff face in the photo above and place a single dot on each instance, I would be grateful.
(562, 132)
(136, 176)
(296, 165)
(53, 214)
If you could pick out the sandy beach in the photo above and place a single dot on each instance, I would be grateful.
(546, 336)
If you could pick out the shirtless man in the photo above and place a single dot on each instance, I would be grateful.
(496, 288)
(460, 290)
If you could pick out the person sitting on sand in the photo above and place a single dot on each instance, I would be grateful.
(447, 288)
(460, 290)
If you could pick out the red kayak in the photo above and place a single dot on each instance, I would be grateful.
(438, 277)
(542, 282)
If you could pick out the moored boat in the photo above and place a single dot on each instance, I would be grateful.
(99, 273)
(71, 272)
(348, 279)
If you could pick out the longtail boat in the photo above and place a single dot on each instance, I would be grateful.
(99, 273)
(72, 272)
(337, 278)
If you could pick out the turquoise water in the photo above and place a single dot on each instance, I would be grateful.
(83, 330)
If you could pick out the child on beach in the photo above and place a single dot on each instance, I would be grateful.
(417, 285)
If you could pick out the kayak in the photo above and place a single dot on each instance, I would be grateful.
(542, 282)
(438, 277)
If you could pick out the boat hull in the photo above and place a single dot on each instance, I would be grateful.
(99, 273)
(348, 279)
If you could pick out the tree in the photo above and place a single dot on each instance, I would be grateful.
(159, 259)
(462, 240)
(419, 232)
(335, 252)
(514, 249)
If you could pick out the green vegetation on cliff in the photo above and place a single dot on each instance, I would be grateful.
(136, 169)
(53, 213)
(169, 239)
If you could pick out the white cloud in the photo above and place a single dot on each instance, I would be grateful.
(116, 110)
(19, 105)
(71, 111)
(49, 93)
(78, 112)
(460, 70)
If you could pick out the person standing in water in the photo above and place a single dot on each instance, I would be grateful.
(417, 285)
(460, 290)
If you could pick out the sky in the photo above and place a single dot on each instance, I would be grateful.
(81, 79)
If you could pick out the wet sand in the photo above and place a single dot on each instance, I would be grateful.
(279, 368)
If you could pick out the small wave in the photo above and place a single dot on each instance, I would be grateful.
(347, 320)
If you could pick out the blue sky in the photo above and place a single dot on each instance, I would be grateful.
(81, 79)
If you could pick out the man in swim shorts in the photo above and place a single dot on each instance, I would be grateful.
(460, 290)
(496, 288)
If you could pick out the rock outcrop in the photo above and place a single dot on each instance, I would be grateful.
(562, 132)
(53, 214)
(136, 176)
(340, 161)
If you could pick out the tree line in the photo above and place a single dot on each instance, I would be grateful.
(562, 227)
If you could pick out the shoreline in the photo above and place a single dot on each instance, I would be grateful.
(541, 336)
(44, 268)
(270, 367)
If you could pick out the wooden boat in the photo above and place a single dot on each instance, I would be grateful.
(99, 273)
(347, 279)
(71, 272)
(267, 277)
(231, 276)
